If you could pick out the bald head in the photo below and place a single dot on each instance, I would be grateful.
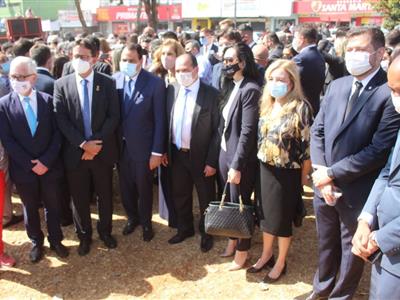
(260, 53)
(394, 76)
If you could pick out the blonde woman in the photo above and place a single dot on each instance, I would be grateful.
(284, 155)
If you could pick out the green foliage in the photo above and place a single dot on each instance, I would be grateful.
(390, 9)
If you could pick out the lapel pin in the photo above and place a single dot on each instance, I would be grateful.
(97, 88)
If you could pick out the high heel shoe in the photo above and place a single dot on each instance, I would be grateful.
(268, 279)
(270, 263)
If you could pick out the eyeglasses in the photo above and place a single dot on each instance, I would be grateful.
(20, 77)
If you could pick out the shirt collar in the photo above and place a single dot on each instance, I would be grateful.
(31, 95)
(134, 78)
(238, 83)
(194, 87)
(367, 79)
(43, 68)
(89, 78)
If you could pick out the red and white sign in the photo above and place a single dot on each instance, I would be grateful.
(328, 8)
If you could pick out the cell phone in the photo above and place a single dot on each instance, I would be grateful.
(374, 257)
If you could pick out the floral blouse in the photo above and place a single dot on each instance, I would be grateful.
(284, 139)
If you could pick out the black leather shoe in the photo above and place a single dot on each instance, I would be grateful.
(84, 247)
(66, 222)
(148, 234)
(60, 250)
(270, 263)
(180, 237)
(206, 242)
(36, 254)
(315, 296)
(109, 241)
(298, 218)
(268, 279)
(130, 227)
(15, 219)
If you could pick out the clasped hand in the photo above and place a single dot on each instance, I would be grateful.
(363, 245)
(39, 168)
(91, 149)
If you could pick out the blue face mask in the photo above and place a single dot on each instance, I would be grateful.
(203, 41)
(129, 69)
(6, 67)
(277, 89)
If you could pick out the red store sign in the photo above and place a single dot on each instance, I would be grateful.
(129, 13)
(334, 7)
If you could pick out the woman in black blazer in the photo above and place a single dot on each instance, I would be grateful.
(238, 128)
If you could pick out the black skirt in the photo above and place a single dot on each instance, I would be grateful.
(280, 193)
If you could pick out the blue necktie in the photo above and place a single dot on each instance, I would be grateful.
(30, 116)
(86, 110)
(128, 94)
(179, 122)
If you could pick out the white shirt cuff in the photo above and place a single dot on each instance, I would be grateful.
(367, 217)
(81, 145)
(156, 154)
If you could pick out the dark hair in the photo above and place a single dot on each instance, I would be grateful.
(195, 44)
(86, 43)
(170, 35)
(245, 27)
(231, 35)
(342, 31)
(192, 58)
(308, 32)
(393, 38)
(273, 37)
(377, 36)
(40, 54)
(135, 47)
(6, 46)
(133, 38)
(58, 66)
(22, 47)
(95, 41)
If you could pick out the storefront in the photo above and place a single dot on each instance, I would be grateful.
(122, 19)
(354, 12)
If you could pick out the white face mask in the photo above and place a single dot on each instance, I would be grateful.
(295, 45)
(80, 66)
(385, 65)
(184, 78)
(21, 87)
(396, 102)
(357, 62)
(168, 62)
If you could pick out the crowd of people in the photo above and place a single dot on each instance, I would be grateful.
(217, 111)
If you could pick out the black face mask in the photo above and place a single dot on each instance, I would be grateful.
(230, 70)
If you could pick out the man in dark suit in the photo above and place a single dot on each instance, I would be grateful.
(310, 62)
(350, 142)
(98, 66)
(87, 112)
(43, 58)
(30, 136)
(274, 45)
(378, 228)
(142, 137)
(193, 145)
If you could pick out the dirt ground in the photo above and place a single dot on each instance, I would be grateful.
(154, 270)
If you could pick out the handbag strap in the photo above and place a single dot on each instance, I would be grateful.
(224, 197)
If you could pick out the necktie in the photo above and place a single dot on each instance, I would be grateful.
(353, 99)
(86, 110)
(30, 116)
(180, 122)
(128, 94)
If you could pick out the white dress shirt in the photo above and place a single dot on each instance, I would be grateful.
(126, 85)
(32, 102)
(179, 110)
(79, 86)
(227, 108)
(364, 82)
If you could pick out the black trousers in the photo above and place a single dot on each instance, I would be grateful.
(183, 179)
(166, 184)
(245, 188)
(136, 183)
(79, 181)
(33, 195)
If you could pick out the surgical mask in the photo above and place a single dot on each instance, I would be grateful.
(357, 62)
(230, 70)
(204, 41)
(277, 89)
(6, 67)
(184, 78)
(21, 87)
(168, 62)
(396, 102)
(385, 65)
(128, 68)
(295, 45)
(80, 66)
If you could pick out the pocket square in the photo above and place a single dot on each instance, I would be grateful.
(139, 99)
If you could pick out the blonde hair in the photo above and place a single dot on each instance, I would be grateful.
(157, 66)
(296, 104)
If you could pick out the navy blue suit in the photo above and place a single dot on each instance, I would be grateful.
(312, 74)
(22, 147)
(355, 149)
(142, 132)
(45, 82)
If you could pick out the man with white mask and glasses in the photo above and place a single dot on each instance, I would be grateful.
(87, 113)
(141, 136)
(193, 147)
(377, 238)
(350, 142)
(30, 136)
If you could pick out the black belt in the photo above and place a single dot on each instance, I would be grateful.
(182, 149)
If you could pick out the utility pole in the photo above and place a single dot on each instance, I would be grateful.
(234, 13)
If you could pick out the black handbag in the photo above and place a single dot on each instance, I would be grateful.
(229, 219)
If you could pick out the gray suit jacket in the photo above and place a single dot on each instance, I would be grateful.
(384, 205)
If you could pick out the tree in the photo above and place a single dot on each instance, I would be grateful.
(390, 9)
(150, 7)
(80, 14)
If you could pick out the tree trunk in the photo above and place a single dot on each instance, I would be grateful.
(80, 14)
(138, 13)
(151, 12)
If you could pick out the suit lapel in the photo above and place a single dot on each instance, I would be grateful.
(41, 108)
(139, 84)
(95, 96)
(73, 92)
(395, 163)
(197, 107)
(234, 105)
(19, 112)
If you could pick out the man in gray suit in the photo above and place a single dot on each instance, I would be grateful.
(379, 222)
